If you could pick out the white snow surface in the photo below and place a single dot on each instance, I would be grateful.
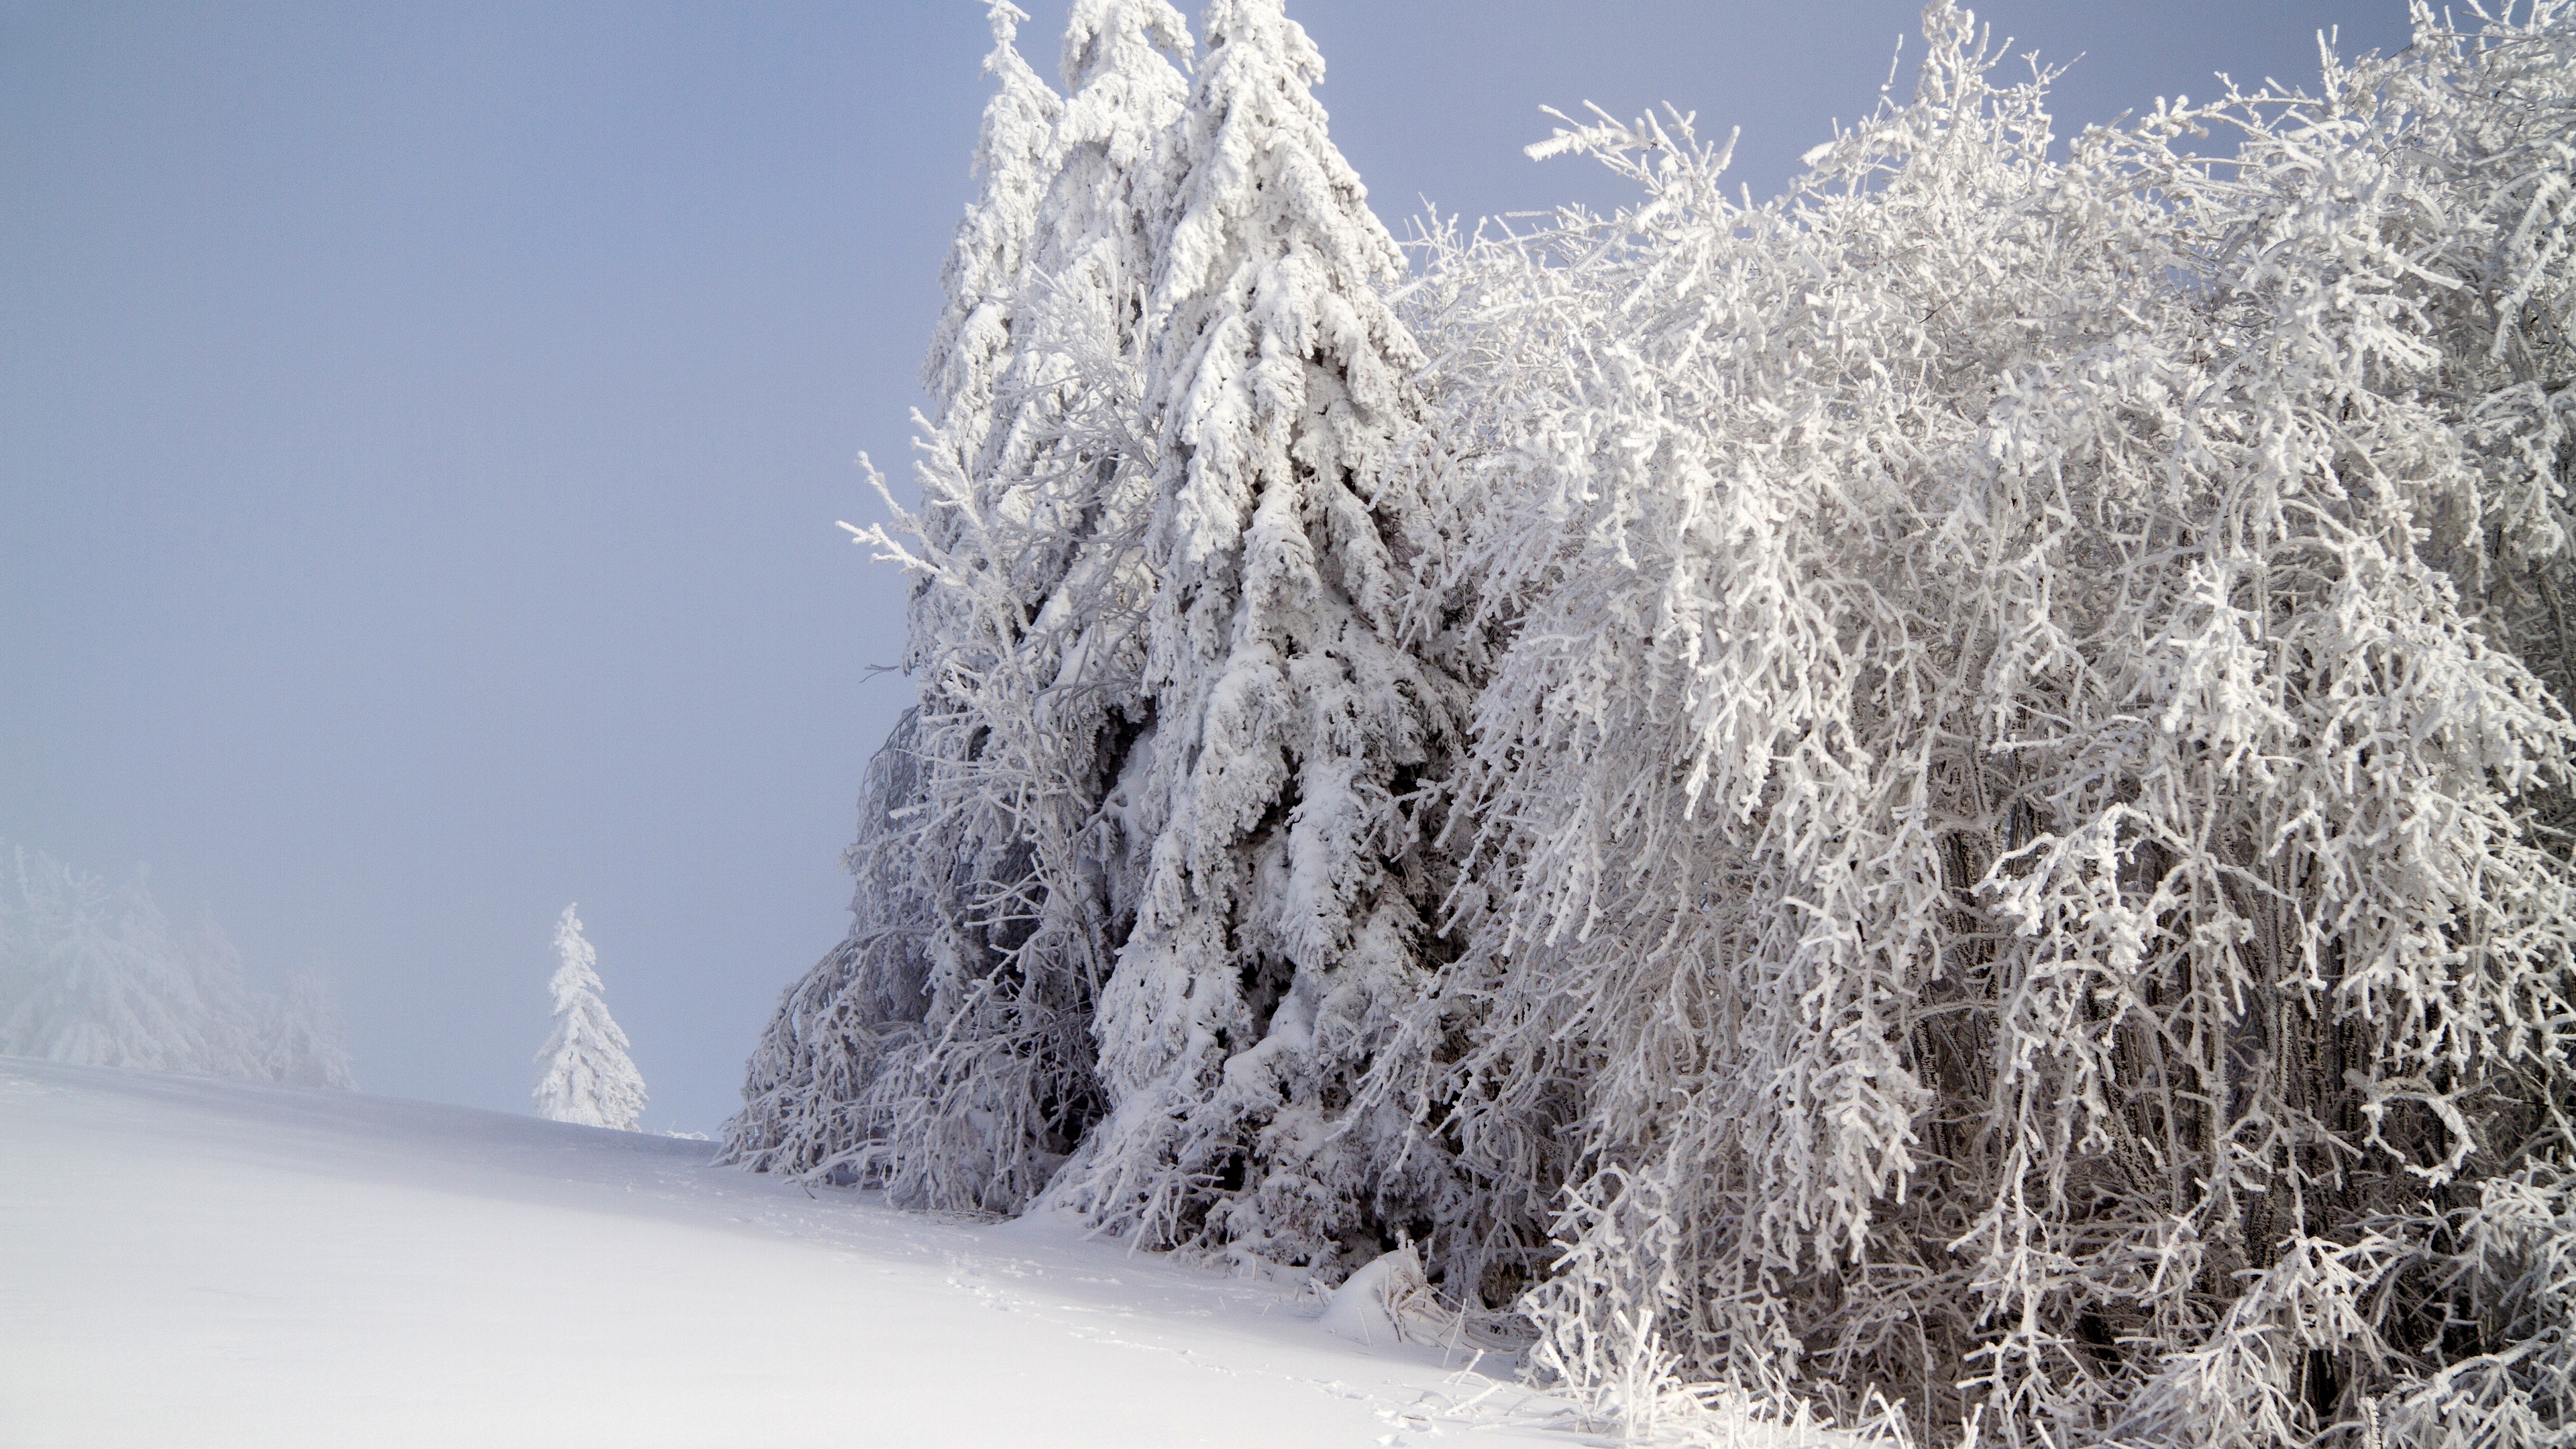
(194, 1260)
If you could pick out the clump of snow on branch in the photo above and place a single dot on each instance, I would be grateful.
(583, 1072)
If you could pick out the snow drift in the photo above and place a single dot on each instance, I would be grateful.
(308, 1267)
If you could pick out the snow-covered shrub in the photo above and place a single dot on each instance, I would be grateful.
(2467, 147)
(583, 1072)
(2508, 1290)
(2001, 868)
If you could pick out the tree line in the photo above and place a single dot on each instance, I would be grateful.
(1945, 795)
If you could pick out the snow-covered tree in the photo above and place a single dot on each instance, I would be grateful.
(1024, 671)
(956, 1045)
(988, 258)
(584, 1074)
(95, 976)
(968, 1111)
(1280, 891)
(806, 1104)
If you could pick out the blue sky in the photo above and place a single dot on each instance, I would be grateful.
(422, 429)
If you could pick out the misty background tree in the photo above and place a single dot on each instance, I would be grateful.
(94, 974)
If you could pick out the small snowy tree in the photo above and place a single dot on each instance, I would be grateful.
(584, 1074)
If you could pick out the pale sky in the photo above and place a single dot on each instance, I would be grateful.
(422, 430)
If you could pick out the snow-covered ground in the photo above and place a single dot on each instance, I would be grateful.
(194, 1261)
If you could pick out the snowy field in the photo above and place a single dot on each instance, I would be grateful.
(194, 1261)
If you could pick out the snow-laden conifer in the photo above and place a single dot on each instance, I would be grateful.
(95, 976)
(584, 1074)
(961, 1058)
(1278, 886)
(1028, 671)
(1028, 675)
(988, 257)
(236, 1021)
(1080, 377)
(1075, 508)
(966, 1111)
(860, 1071)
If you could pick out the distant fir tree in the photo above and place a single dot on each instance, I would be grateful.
(584, 1074)
(306, 1044)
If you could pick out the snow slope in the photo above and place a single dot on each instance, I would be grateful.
(191, 1260)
